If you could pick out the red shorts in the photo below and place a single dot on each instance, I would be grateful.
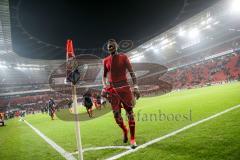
(121, 97)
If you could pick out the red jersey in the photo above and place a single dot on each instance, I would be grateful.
(116, 66)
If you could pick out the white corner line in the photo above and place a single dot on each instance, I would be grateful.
(65, 154)
(103, 147)
(172, 133)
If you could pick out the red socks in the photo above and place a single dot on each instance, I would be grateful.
(120, 122)
(131, 123)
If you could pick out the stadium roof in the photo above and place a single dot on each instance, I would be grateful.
(7, 55)
(6, 51)
(40, 28)
(209, 28)
(213, 26)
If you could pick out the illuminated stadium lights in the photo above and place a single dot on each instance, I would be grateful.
(191, 43)
(208, 26)
(28, 65)
(147, 46)
(36, 69)
(217, 22)
(209, 20)
(193, 33)
(235, 6)
(134, 52)
(3, 66)
(19, 68)
(155, 50)
(136, 58)
(181, 32)
(163, 47)
(165, 41)
(203, 22)
(27, 68)
(172, 43)
(151, 48)
(168, 45)
(136, 55)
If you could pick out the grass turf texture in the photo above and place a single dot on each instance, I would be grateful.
(216, 139)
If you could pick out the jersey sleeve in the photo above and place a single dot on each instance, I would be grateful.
(128, 64)
(104, 68)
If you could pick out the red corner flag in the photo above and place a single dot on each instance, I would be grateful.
(69, 48)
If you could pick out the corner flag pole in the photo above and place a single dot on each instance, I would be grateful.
(77, 123)
(70, 77)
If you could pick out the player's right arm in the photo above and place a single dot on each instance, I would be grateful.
(104, 77)
(134, 78)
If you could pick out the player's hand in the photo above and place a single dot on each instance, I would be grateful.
(104, 92)
(136, 92)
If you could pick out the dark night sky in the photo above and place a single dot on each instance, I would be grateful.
(90, 23)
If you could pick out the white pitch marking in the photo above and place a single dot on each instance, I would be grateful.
(65, 154)
(172, 133)
(104, 147)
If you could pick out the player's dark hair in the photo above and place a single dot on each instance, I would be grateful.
(112, 40)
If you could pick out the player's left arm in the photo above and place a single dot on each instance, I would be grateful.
(53, 105)
(134, 78)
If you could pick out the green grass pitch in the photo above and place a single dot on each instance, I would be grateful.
(217, 139)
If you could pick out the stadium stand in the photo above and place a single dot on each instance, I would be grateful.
(219, 69)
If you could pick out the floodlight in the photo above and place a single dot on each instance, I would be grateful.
(209, 20)
(217, 22)
(137, 58)
(3, 66)
(181, 32)
(208, 26)
(235, 6)
(203, 22)
(165, 41)
(155, 50)
(193, 33)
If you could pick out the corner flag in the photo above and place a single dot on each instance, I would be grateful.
(71, 72)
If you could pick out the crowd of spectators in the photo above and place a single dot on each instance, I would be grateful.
(220, 69)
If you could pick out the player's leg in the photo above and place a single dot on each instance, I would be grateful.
(127, 101)
(89, 111)
(99, 104)
(52, 115)
(119, 120)
(131, 123)
(116, 107)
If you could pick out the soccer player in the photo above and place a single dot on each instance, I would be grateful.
(69, 104)
(51, 108)
(115, 67)
(2, 119)
(87, 102)
(95, 101)
(98, 102)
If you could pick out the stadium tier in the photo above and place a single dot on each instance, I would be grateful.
(220, 69)
(216, 70)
